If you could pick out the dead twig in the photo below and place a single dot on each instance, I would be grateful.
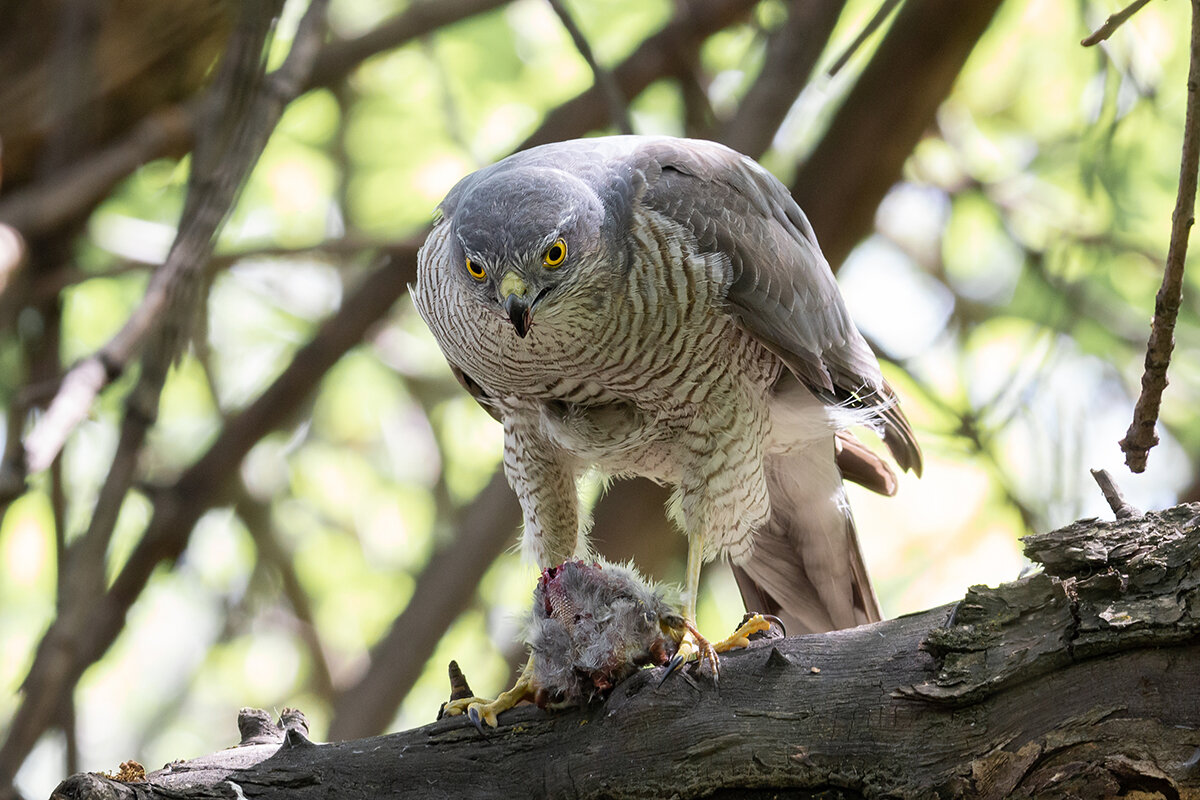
(1140, 437)
(618, 111)
(1112, 23)
(1112, 493)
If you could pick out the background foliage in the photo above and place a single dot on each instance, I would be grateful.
(1007, 278)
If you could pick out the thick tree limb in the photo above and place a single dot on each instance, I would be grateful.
(1140, 437)
(951, 703)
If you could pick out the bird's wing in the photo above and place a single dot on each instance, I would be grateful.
(781, 288)
(475, 390)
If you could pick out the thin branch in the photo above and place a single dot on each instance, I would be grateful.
(339, 59)
(1112, 493)
(45, 206)
(1112, 23)
(618, 110)
(884, 11)
(699, 116)
(894, 101)
(1140, 437)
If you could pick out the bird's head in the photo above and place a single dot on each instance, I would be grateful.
(527, 240)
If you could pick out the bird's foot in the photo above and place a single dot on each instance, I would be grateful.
(754, 623)
(691, 644)
(480, 710)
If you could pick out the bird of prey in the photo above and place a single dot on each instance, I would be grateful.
(657, 306)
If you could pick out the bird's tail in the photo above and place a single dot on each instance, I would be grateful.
(806, 567)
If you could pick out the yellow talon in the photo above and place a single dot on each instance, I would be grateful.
(480, 710)
(741, 637)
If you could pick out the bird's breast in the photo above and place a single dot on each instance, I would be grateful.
(619, 367)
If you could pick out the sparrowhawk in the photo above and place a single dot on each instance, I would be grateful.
(658, 306)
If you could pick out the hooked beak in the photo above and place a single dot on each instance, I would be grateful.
(517, 308)
(517, 303)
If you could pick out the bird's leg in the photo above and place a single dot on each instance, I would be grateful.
(691, 643)
(481, 710)
(544, 481)
(688, 638)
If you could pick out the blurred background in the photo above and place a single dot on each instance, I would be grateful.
(316, 518)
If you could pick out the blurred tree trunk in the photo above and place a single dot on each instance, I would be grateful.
(1081, 681)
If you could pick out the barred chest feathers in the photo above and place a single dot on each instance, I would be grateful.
(619, 369)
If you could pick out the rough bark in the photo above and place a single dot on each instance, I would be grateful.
(1082, 680)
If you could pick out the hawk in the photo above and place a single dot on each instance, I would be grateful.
(660, 307)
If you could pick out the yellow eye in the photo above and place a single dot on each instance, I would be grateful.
(556, 254)
(476, 271)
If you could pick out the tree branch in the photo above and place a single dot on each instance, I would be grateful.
(1112, 23)
(445, 588)
(792, 52)
(948, 703)
(881, 14)
(618, 110)
(894, 102)
(659, 55)
(67, 649)
(339, 59)
(242, 113)
(1140, 437)
(257, 517)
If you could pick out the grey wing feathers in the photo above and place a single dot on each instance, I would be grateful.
(781, 287)
(476, 391)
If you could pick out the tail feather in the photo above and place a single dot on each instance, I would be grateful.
(806, 566)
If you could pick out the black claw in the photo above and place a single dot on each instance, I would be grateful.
(473, 715)
(672, 665)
